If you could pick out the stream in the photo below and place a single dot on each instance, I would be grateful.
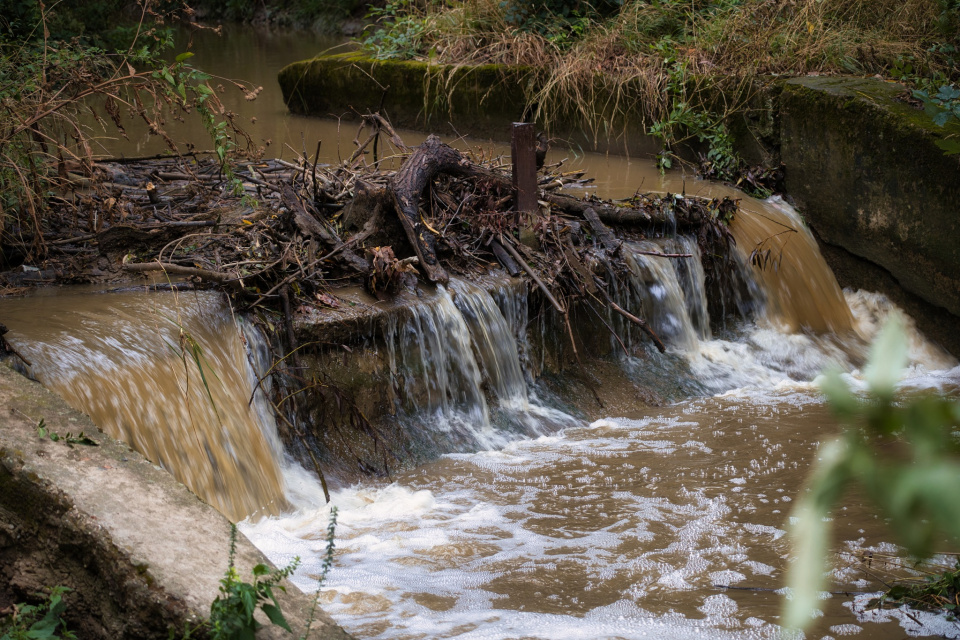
(641, 522)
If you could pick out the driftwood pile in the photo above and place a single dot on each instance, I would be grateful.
(300, 229)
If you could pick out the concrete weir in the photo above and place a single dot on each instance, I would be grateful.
(142, 554)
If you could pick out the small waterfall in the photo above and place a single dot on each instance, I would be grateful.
(494, 343)
(433, 365)
(656, 292)
(168, 374)
(456, 358)
(802, 292)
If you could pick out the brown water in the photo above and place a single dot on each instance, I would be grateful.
(256, 55)
(657, 523)
(167, 373)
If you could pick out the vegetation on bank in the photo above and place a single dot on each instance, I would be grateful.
(657, 57)
(69, 75)
(324, 16)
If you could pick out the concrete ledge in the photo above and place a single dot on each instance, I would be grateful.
(142, 553)
(865, 170)
(456, 100)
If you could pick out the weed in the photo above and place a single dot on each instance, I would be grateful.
(397, 33)
(47, 88)
(68, 439)
(936, 592)
(38, 622)
(324, 570)
(232, 613)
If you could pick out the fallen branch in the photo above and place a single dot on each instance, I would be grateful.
(218, 277)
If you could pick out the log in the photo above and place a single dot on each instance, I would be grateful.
(607, 239)
(424, 164)
(218, 277)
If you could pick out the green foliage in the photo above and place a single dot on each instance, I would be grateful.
(561, 22)
(685, 122)
(42, 621)
(69, 439)
(943, 107)
(49, 85)
(397, 33)
(232, 613)
(936, 90)
(915, 489)
(324, 569)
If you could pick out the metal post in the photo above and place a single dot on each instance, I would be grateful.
(523, 151)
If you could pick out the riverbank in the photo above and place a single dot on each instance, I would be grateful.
(141, 554)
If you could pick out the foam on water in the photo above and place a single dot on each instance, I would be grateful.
(604, 530)
(668, 525)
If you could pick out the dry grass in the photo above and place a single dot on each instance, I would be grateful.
(638, 49)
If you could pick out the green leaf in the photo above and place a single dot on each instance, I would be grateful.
(186, 55)
(276, 616)
(948, 93)
(261, 570)
(950, 146)
(249, 599)
(83, 439)
(888, 357)
(942, 118)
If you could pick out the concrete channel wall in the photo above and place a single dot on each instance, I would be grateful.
(142, 554)
(862, 165)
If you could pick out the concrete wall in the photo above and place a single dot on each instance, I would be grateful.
(142, 554)
(865, 171)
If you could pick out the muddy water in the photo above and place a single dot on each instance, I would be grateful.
(656, 523)
(256, 55)
(665, 523)
(167, 373)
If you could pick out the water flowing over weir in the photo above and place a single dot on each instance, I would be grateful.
(127, 360)
(632, 526)
(667, 523)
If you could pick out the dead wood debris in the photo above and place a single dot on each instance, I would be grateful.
(300, 227)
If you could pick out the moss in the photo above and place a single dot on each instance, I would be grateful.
(414, 94)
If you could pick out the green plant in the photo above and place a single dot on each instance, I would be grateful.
(48, 86)
(397, 33)
(324, 570)
(944, 107)
(936, 592)
(69, 439)
(905, 456)
(232, 613)
(42, 621)
(682, 121)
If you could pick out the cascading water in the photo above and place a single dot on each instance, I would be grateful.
(667, 525)
(168, 374)
(455, 367)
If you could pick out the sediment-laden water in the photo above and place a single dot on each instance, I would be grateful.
(668, 523)
(171, 374)
(665, 522)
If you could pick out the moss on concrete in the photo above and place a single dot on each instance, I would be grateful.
(414, 94)
(474, 100)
